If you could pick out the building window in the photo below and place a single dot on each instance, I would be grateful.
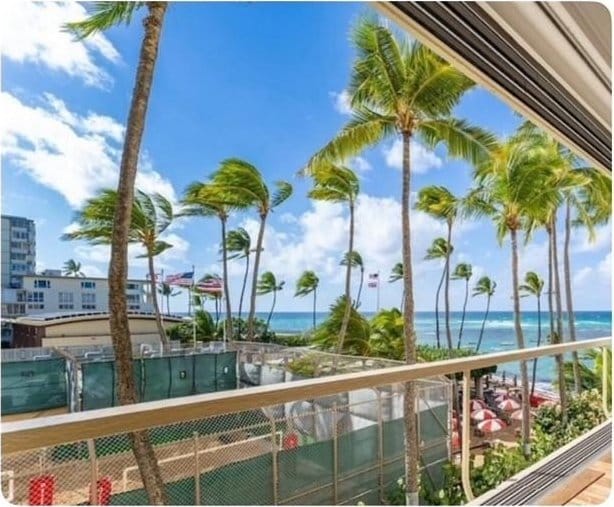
(133, 298)
(18, 256)
(88, 285)
(36, 297)
(88, 301)
(133, 286)
(134, 307)
(65, 301)
(18, 267)
(42, 284)
(36, 306)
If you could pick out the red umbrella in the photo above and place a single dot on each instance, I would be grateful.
(454, 423)
(477, 404)
(508, 405)
(491, 425)
(483, 414)
(501, 396)
(456, 440)
(517, 415)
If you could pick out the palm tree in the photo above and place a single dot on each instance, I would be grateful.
(104, 16)
(440, 249)
(396, 274)
(151, 216)
(533, 286)
(205, 200)
(403, 90)
(267, 284)
(239, 242)
(305, 285)
(214, 278)
(73, 268)
(439, 203)
(239, 184)
(462, 271)
(168, 292)
(513, 189)
(485, 286)
(355, 259)
(335, 183)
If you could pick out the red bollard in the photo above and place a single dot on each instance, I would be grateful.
(290, 441)
(41, 490)
(104, 491)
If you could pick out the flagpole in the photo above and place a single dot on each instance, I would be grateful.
(161, 295)
(378, 285)
(190, 292)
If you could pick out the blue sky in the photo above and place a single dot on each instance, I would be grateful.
(263, 82)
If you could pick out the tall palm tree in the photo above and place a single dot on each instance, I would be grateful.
(216, 296)
(104, 16)
(440, 249)
(308, 284)
(266, 285)
(355, 259)
(513, 188)
(336, 183)
(73, 268)
(396, 274)
(151, 216)
(403, 90)
(240, 184)
(239, 242)
(168, 292)
(462, 271)
(533, 286)
(439, 203)
(205, 200)
(485, 286)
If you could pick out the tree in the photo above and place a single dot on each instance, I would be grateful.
(513, 191)
(403, 90)
(485, 286)
(239, 242)
(533, 286)
(266, 285)
(308, 284)
(396, 274)
(439, 203)
(104, 16)
(168, 292)
(73, 268)
(440, 249)
(151, 216)
(462, 271)
(355, 260)
(336, 183)
(240, 184)
(215, 295)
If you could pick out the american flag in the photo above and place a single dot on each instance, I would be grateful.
(373, 280)
(213, 285)
(181, 278)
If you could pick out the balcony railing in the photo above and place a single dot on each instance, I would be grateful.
(249, 445)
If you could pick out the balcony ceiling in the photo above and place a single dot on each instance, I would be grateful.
(551, 61)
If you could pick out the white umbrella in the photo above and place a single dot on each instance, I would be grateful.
(483, 414)
(517, 415)
(491, 425)
(477, 404)
(509, 405)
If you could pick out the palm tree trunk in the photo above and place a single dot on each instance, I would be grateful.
(568, 298)
(460, 331)
(560, 360)
(477, 348)
(447, 288)
(443, 275)
(159, 325)
(168, 305)
(252, 303)
(362, 279)
(228, 323)
(348, 295)
(244, 284)
(539, 340)
(268, 320)
(550, 284)
(412, 439)
(314, 307)
(524, 377)
(118, 265)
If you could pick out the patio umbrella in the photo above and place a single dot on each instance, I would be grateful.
(509, 405)
(454, 423)
(517, 415)
(491, 425)
(477, 404)
(483, 414)
(456, 440)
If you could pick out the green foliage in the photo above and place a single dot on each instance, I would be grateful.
(239, 329)
(305, 366)
(293, 340)
(397, 273)
(306, 284)
(387, 338)
(205, 329)
(429, 353)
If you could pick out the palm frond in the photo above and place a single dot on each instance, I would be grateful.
(103, 16)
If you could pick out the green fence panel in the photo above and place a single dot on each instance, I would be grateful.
(182, 376)
(358, 449)
(156, 378)
(394, 438)
(179, 493)
(357, 485)
(226, 371)
(29, 386)
(100, 384)
(305, 468)
(204, 373)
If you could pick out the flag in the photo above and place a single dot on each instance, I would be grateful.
(213, 285)
(372, 285)
(374, 276)
(373, 280)
(181, 278)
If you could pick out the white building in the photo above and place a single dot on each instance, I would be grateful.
(47, 293)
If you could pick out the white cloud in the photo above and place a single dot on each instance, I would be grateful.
(341, 102)
(422, 159)
(605, 266)
(72, 154)
(93, 271)
(581, 275)
(360, 165)
(582, 242)
(33, 32)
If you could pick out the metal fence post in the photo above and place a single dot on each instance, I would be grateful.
(466, 480)
(91, 448)
(196, 470)
(380, 444)
(335, 456)
(275, 477)
(604, 379)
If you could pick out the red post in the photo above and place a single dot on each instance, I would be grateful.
(41, 490)
(290, 441)
(104, 485)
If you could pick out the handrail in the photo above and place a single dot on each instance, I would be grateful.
(44, 432)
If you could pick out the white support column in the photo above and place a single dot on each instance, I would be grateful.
(465, 476)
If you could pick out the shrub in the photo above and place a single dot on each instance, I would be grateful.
(305, 366)
(184, 332)
(239, 330)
